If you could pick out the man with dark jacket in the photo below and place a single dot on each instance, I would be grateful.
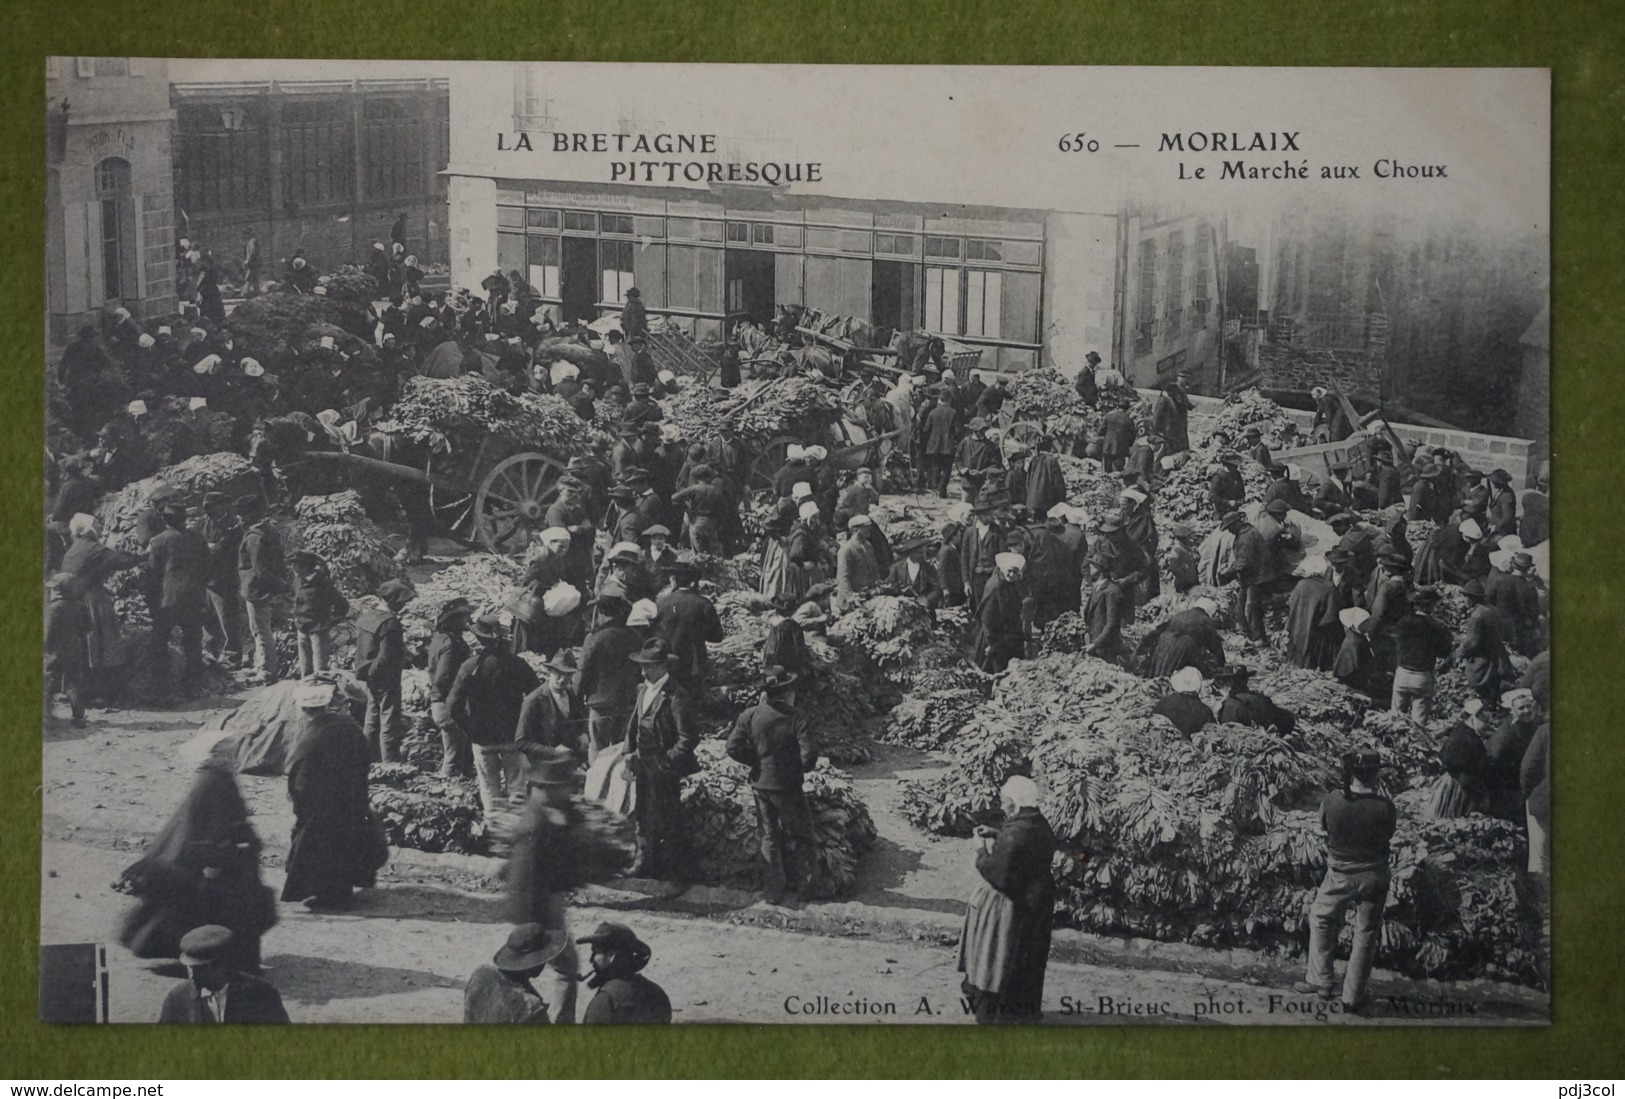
(1244, 706)
(1116, 438)
(1104, 613)
(502, 992)
(1359, 825)
(318, 606)
(260, 578)
(1225, 489)
(940, 437)
(380, 654)
(485, 701)
(1170, 417)
(552, 715)
(624, 994)
(1182, 706)
(915, 575)
(688, 621)
(771, 739)
(1422, 642)
(215, 992)
(1502, 509)
(660, 742)
(1250, 561)
(608, 680)
(447, 652)
(179, 560)
(1087, 388)
(634, 319)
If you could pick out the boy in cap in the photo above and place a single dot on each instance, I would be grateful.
(502, 992)
(624, 995)
(447, 653)
(689, 622)
(1422, 642)
(318, 606)
(1359, 824)
(552, 715)
(380, 654)
(214, 992)
(773, 741)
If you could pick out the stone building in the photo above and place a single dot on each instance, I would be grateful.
(110, 236)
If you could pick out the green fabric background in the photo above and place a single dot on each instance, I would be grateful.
(1583, 44)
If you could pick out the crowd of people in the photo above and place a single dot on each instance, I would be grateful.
(611, 609)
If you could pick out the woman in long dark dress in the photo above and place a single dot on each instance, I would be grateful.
(327, 783)
(1465, 785)
(1004, 947)
(202, 868)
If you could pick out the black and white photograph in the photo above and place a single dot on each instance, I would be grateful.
(572, 543)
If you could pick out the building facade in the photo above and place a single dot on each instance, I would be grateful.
(1171, 317)
(110, 237)
(1026, 285)
(323, 166)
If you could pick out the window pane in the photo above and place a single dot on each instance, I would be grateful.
(761, 234)
(1019, 305)
(855, 242)
(710, 230)
(510, 217)
(510, 251)
(682, 228)
(942, 300)
(825, 239)
(542, 219)
(650, 227)
(946, 247)
(787, 236)
(738, 232)
(1025, 252)
(581, 220)
(895, 244)
(982, 303)
(617, 223)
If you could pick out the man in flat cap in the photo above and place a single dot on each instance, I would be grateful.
(214, 992)
(1359, 824)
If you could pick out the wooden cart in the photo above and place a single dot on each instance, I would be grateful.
(496, 494)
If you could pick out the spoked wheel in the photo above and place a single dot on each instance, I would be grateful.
(1025, 433)
(768, 461)
(511, 506)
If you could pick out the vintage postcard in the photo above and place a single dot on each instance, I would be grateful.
(599, 543)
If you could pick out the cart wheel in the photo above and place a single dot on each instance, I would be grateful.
(1025, 432)
(511, 506)
(769, 459)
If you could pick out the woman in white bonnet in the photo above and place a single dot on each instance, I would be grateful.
(1004, 948)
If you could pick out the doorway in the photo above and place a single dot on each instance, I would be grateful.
(578, 278)
(750, 278)
(117, 244)
(894, 300)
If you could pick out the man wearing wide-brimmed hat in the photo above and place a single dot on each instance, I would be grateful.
(1481, 647)
(1359, 825)
(914, 574)
(776, 744)
(502, 992)
(485, 701)
(660, 743)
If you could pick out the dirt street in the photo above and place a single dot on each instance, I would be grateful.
(403, 954)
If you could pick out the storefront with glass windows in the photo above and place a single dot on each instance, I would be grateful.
(983, 276)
